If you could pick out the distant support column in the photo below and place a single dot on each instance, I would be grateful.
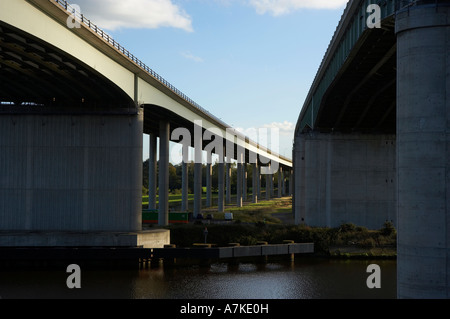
(244, 181)
(198, 172)
(268, 179)
(228, 180)
(185, 180)
(152, 176)
(239, 182)
(255, 173)
(258, 185)
(163, 214)
(221, 186)
(280, 182)
(208, 179)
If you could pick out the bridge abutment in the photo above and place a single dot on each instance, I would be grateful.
(423, 114)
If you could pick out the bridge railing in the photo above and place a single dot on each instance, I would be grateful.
(79, 17)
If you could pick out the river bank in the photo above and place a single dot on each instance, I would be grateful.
(346, 241)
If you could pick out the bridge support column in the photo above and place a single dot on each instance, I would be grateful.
(164, 135)
(423, 153)
(198, 144)
(244, 181)
(185, 180)
(255, 177)
(239, 182)
(228, 180)
(152, 172)
(268, 191)
(208, 180)
(344, 178)
(221, 186)
(258, 171)
(280, 182)
(70, 180)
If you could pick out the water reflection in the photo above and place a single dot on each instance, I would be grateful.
(304, 279)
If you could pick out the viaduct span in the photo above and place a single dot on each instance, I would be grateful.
(74, 107)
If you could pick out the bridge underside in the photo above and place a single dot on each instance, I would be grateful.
(35, 73)
(363, 95)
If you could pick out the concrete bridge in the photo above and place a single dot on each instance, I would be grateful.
(371, 142)
(74, 107)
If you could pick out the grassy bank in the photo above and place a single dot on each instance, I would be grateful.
(346, 241)
(272, 221)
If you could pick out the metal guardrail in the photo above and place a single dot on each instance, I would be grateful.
(109, 39)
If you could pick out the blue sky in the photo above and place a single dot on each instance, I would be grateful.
(249, 62)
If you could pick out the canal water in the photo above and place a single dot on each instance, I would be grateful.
(306, 278)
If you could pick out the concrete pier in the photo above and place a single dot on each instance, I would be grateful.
(185, 180)
(152, 172)
(163, 180)
(198, 145)
(221, 186)
(255, 186)
(344, 178)
(70, 173)
(423, 113)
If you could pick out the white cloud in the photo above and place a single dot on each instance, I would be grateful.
(280, 7)
(285, 128)
(151, 14)
(192, 57)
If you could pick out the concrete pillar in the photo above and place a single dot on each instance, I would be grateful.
(423, 152)
(163, 212)
(291, 182)
(185, 179)
(152, 172)
(228, 180)
(239, 182)
(184, 186)
(258, 170)
(268, 179)
(280, 181)
(244, 181)
(198, 172)
(208, 180)
(272, 190)
(255, 177)
(221, 186)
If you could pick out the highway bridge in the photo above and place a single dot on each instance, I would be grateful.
(74, 107)
(371, 142)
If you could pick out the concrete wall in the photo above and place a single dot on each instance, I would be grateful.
(423, 126)
(344, 178)
(70, 173)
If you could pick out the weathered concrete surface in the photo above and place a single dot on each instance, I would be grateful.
(423, 114)
(71, 173)
(344, 178)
